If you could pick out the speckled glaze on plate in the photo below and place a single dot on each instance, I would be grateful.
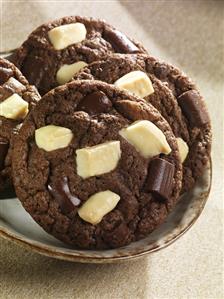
(16, 225)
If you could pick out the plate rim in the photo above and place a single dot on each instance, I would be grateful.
(53, 252)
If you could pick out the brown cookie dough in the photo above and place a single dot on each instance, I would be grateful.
(196, 116)
(12, 82)
(183, 108)
(60, 190)
(39, 61)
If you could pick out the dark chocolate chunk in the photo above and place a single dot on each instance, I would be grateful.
(4, 93)
(160, 178)
(14, 85)
(61, 192)
(10, 87)
(193, 108)
(95, 103)
(119, 41)
(5, 74)
(34, 68)
(4, 145)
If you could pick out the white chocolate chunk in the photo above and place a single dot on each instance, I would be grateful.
(63, 36)
(183, 149)
(136, 82)
(98, 205)
(98, 159)
(147, 138)
(14, 107)
(67, 71)
(52, 137)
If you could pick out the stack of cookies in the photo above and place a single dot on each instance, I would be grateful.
(98, 138)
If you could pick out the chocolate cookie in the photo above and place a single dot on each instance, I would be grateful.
(96, 166)
(17, 98)
(51, 49)
(183, 108)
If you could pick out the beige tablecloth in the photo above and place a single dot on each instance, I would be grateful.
(186, 33)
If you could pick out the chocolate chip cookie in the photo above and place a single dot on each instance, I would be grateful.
(183, 108)
(96, 166)
(69, 43)
(17, 98)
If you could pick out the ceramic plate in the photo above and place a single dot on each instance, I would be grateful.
(16, 225)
